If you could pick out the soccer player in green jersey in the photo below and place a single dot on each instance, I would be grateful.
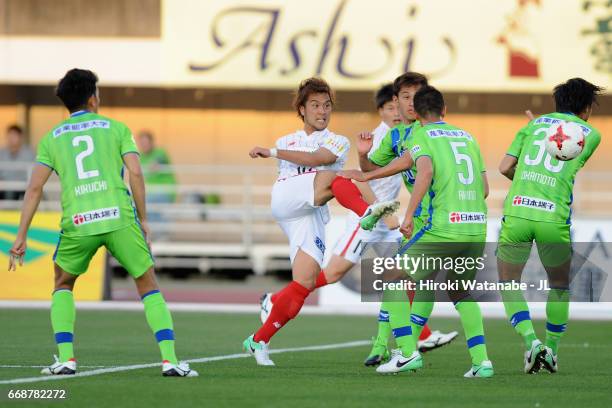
(455, 225)
(391, 147)
(537, 208)
(89, 152)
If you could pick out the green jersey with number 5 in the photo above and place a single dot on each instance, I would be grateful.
(86, 151)
(457, 191)
(542, 186)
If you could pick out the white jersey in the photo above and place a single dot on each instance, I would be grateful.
(300, 141)
(388, 188)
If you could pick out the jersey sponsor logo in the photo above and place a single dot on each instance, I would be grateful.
(319, 243)
(531, 202)
(458, 217)
(101, 214)
(554, 121)
(453, 134)
(338, 145)
(82, 126)
(415, 149)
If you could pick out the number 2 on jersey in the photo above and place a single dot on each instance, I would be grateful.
(82, 174)
(460, 157)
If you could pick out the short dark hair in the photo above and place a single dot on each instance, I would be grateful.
(384, 95)
(408, 79)
(308, 87)
(15, 128)
(575, 96)
(76, 87)
(428, 101)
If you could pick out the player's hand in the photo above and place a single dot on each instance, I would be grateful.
(146, 230)
(529, 115)
(407, 227)
(16, 254)
(259, 152)
(364, 143)
(356, 175)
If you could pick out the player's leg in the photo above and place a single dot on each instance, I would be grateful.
(556, 258)
(328, 185)
(287, 305)
(515, 241)
(72, 257)
(469, 310)
(397, 303)
(129, 247)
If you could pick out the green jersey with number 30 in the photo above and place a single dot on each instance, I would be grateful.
(86, 151)
(457, 190)
(542, 186)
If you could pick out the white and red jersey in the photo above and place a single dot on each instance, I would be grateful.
(302, 142)
(388, 188)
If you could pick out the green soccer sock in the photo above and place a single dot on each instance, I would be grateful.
(518, 314)
(557, 316)
(398, 306)
(422, 306)
(384, 327)
(471, 319)
(160, 321)
(63, 314)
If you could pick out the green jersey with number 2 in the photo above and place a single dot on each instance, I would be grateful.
(86, 151)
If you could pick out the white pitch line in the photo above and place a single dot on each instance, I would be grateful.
(43, 366)
(196, 360)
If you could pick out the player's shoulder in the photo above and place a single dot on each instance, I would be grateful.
(336, 136)
(284, 140)
(113, 123)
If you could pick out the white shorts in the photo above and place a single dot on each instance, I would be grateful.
(352, 243)
(303, 222)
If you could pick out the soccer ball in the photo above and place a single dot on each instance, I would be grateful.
(564, 140)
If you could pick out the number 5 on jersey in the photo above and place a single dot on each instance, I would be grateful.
(82, 174)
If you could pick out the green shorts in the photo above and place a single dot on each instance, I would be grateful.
(517, 236)
(127, 245)
(460, 255)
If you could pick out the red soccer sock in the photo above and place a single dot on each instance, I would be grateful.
(348, 195)
(288, 304)
(321, 280)
(425, 332)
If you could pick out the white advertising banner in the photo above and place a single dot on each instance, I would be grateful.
(468, 45)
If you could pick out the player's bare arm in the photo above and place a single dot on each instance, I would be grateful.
(507, 167)
(33, 195)
(421, 185)
(396, 166)
(364, 145)
(132, 162)
(485, 183)
(320, 157)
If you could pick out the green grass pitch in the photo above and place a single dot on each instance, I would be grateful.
(301, 379)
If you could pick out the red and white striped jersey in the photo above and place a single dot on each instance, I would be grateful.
(300, 141)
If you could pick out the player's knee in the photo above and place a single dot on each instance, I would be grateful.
(457, 296)
(308, 283)
(333, 275)
(146, 282)
(63, 280)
